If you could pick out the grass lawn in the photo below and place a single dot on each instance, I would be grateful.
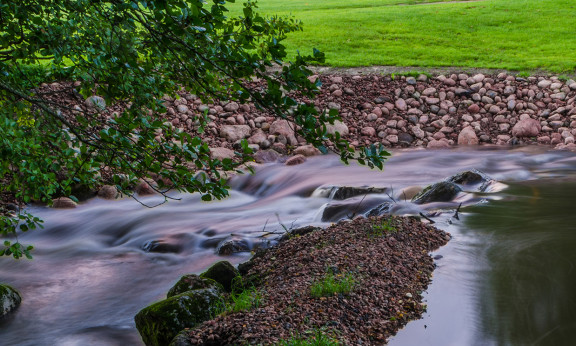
(522, 35)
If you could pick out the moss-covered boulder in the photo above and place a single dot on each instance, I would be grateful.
(182, 339)
(160, 322)
(222, 272)
(443, 191)
(190, 282)
(9, 299)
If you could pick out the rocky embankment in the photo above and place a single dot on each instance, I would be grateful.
(429, 112)
(437, 112)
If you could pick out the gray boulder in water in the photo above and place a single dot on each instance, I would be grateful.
(230, 247)
(443, 191)
(345, 192)
(9, 299)
(472, 178)
(448, 189)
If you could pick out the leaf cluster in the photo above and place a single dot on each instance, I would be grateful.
(133, 53)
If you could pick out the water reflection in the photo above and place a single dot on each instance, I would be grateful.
(528, 293)
(508, 277)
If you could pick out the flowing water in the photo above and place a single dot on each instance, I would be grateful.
(506, 278)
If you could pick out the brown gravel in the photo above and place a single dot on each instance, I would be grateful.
(392, 270)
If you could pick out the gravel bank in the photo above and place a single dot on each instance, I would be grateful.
(388, 259)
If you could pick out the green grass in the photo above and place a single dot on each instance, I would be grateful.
(520, 35)
(316, 339)
(240, 301)
(331, 284)
(381, 228)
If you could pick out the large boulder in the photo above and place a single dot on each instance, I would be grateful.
(282, 127)
(234, 132)
(345, 192)
(443, 191)
(63, 203)
(285, 128)
(467, 136)
(295, 160)
(526, 128)
(222, 153)
(339, 127)
(160, 322)
(307, 150)
(222, 272)
(191, 282)
(473, 178)
(265, 156)
(108, 192)
(9, 299)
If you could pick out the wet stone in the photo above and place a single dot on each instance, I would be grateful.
(440, 192)
(232, 246)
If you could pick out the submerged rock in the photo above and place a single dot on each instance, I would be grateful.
(160, 322)
(345, 192)
(382, 209)
(443, 191)
(9, 299)
(161, 246)
(472, 178)
(191, 282)
(230, 247)
(222, 272)
(350, 208)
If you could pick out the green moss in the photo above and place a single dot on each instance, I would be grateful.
(160, 322)
(192, 282)
(222, 272)
(9, 299)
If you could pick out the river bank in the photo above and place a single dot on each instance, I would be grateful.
(397, 111)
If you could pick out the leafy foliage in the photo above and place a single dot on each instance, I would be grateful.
(132, 53)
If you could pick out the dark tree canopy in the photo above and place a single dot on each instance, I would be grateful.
(133, 53)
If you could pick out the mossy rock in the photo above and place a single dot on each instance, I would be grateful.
(191, 282)
(182, 339)
(160, 322)
(222, 272)
(10, 299)
(443, 191)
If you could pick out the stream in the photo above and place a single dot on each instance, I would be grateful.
(507, 277)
